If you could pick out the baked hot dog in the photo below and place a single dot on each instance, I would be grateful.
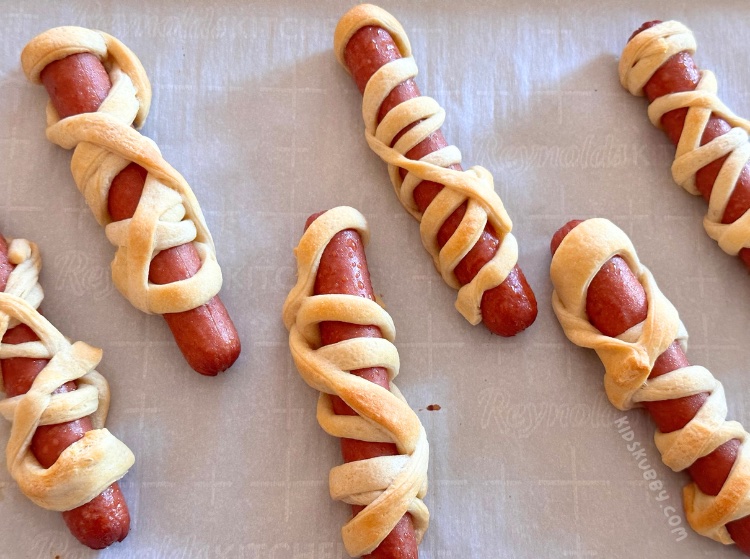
(104, 518)
(712, 142)
(464, 225)
(643, 351)
(337, 332)
(113, 166)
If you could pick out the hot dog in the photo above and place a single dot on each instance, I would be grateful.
(103, 520)
(616, 301)
(367, 40)
(341, 269)
(79, 84)
(667, 76)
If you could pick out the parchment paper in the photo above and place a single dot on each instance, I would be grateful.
(250, 105)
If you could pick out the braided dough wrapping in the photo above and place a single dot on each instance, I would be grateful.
(474, 185)
(388, 486)
(642, 57)
(628, 360)
(105, 142)
(88, 466)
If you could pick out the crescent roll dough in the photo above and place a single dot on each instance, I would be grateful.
(105, 142)
(88, 466)
(628, 360)
(388, 486)
(474, 185)
(642, 57)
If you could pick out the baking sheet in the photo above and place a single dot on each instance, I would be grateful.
(252, 108)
